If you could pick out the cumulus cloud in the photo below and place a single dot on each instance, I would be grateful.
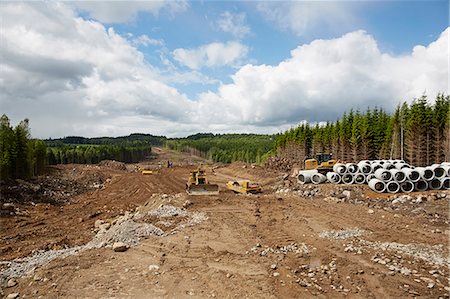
(323, 79)
(126, 11)
(303, 16)
(234, 24)
(211, 55)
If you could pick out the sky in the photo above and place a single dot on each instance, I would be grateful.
(175, 68)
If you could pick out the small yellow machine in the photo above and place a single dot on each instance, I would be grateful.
(147, 172)
(244, 186)
(198, 184)
(323, 163)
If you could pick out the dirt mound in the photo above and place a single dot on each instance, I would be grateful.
(111, 164)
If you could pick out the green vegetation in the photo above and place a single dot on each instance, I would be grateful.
(419, 132)
(227, 148)
(20, 156)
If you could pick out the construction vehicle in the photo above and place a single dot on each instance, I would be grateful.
(244, 186)
(198, 184)
(323, 163)
(147, 172)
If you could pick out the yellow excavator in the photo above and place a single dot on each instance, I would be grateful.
(198, 184)
(323, 163)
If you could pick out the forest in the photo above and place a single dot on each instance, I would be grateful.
(418, 133)
(20, 156)
(226, 148)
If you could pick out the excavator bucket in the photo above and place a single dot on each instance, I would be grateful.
(204, 189)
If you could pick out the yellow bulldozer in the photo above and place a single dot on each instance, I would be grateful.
(244, 186)
(198, 184)
(323, 163)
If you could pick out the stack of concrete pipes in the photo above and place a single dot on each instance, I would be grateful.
(390, 176)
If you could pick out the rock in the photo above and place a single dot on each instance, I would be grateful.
(430, 285)
(13, 296)
(153, 268)
(104, 226)
(347, 193)
(273, 266)
(11, 283)
(120, 247)
(98, 223)
(276, 274)
(187, 203)
(370, 211)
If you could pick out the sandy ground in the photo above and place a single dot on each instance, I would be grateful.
(271, 245)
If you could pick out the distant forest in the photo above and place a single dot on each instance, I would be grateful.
(420, 133)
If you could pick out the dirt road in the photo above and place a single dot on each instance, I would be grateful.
(272, 245)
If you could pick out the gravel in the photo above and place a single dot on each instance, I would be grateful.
(342, 234)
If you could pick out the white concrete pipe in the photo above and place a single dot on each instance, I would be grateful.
(421, 185)
(445, 183)
(407, 186)
(304, 176)
(364, 168)
(402, 166)
(392, 187)
(375, 166)
(398, 175)
(439, 171)
(318, 178)
(388, 166)
(426, 173)
(351, 168)
(359, 178)
(383, 174)
(334, 178)
(446, 169)
(411, 174)
(348, 178)
(364, 162)
(339, 168)
(435, 184)
(377, 185)
(369, 177)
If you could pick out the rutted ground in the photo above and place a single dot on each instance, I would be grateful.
(318, 241)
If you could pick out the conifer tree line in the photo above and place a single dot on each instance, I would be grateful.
(419, 133)
(93, 154)
(20, 156)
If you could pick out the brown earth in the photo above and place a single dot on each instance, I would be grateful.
(270, 245)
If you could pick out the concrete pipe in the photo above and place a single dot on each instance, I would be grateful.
(411, 174)
(383, 174)
(421, 185)
(304, 176)
(439, 171)
(339, 168)
(426, 173)
(388, 166)
(334, 178)
(398, 175)
(446, 169)
(364, 162)
(359, 178)
(402, 166)
(318, 178)
(351, 168)
(435, 184)
(369, 177)
(365, 168)
(392, 187)
(445, 183)
(375, 166)
(407, 186)
(377, 185)
(348, 178)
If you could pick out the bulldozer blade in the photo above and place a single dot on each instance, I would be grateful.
(210, 189)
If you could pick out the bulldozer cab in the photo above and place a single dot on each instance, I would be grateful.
(323, 157)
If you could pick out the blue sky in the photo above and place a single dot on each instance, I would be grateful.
(180, 67)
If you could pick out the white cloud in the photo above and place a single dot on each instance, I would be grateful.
(234, 24)
(126, 11)
(303, 16)
(145, 40)
(211, 55)
(323, 79)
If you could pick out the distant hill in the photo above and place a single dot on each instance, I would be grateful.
(123, 140)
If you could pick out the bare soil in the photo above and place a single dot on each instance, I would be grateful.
(271, 245)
